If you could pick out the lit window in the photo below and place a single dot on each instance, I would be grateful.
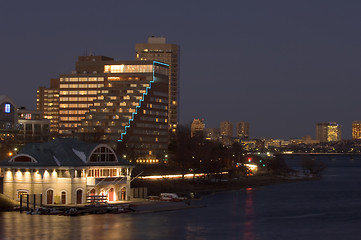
(7, 108)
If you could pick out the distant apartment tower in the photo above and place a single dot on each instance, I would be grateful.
(197, 126)
(243, 130)
(212, 134)
(227, 133)
(157, 49)
(356, 130)
(328, 132)
(48, 104)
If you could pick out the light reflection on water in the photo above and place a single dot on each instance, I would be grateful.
(248, 233)
(326, 209)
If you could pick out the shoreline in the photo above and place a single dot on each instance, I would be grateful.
(188, 187)
(195, 189)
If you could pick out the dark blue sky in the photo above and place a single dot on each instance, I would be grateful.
(280, 65)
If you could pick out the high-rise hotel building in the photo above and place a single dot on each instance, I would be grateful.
(157, 49)
(328, 132)
(105, 100)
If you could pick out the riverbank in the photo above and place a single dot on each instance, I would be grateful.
(189, 187)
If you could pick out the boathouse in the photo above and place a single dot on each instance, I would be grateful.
(66, 171)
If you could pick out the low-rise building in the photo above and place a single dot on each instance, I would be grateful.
(66, 171)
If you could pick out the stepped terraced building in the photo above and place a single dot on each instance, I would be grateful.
(122, 103)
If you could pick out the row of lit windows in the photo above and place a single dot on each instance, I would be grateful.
(76, 99)
(71, 118)
(82, 79)
(106, 172)
(147, 161)
(81, 85)
(74, 105)
(72, 112)
(69, 125)
(123, 68)
(81, 92)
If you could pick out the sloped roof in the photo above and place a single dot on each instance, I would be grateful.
(62, 152)
(4, 98)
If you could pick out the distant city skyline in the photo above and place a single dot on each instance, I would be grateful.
(281, 66)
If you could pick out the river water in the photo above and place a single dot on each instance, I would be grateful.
(329, 208)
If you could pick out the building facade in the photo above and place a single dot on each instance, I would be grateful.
(227, 133)
(157, 49)
(66, 171)
(197, 127)
(132, 110)
(212, 134)
(47, 102)
(122, 103)
(32, 126)
(356, 130)
(243, 130)
(328, 132)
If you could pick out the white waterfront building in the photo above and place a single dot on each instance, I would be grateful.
(66, 171)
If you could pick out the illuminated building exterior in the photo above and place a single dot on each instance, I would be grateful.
(227, 133)
(275, 143)
(157, 49)
(32, 126)
(132, 109)
(8, 115)
(47, 102)
(328, 132)
(197, 126)
(66, 171)
(356, 130)
(78, 90)
(122, 103)
(8, 126)
(243, 130)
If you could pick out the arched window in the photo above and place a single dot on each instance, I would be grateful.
(22, 192)
(63, 197)
(79, 196)
(23, 158)
(103, 154)
(49, 196)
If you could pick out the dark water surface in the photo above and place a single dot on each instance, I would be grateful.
(326, 209)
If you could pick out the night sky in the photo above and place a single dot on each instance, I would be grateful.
(280, 65)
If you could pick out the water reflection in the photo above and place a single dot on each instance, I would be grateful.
(14, 225)
(248, 233)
